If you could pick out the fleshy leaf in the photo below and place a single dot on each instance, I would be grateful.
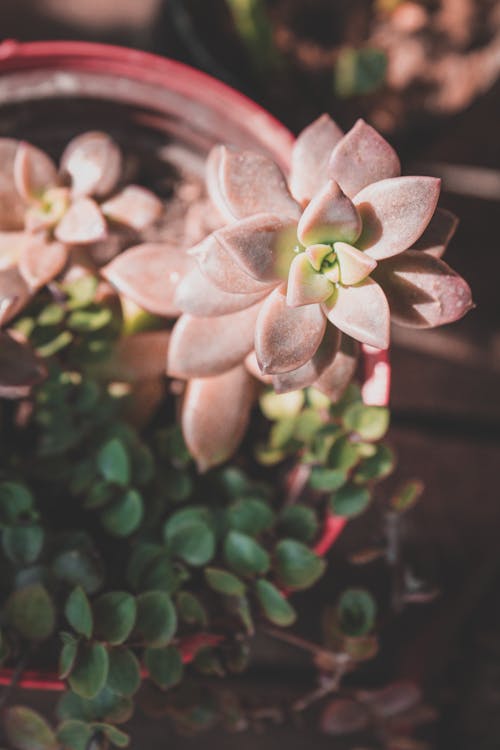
(137, 357)
(335, 378)
(134, 206)
(361, 311)
(197, 296)
(48, 212)
(20, 368)
(286, 337)
(12, 206)
(423, 291)
(41, 261)
(94, 163)
(395, 213)
(201, 347)
(253, 368)
(310, 156)
(215, 415)
(244, 183)
(27, 730)
(438, 233)
(223, 271)
(330, 216)
(14, 293)
(309, 372)
(82, 223)
(354, 265)
(149, 274)
(262, 245)
(34, 172)
(362, 157)
(305, 285)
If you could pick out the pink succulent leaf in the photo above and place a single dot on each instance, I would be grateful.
(330, 216)
(215, 415)
(146, 397)
(117, 240)
(423, 291)
(395, 213)
(262, 245)
(317, 254)
(134, 206)
(305, 285)
(253, 368)
(201, 347)
(218, 265)
(287, 337)
(12, 206)
(213, 182)
(310, 156)
(361, 158)
(34, 172)
(94, 163)
(438, 233)
(361, 311)
(14, 294)
(140, 356)
(41, 261)
(82, 223)
(148, 274)
(308, 374)
(12, 245)
(250, 183)
(353, 264)
(20, 368)
(336, 377)
(197, 296)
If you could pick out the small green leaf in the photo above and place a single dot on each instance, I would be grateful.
(250, 516)
(27, 730)
(369, 422)
(15, 501)
(327, 480)
(67, 656)
(124, 675)
(297, 566)
(357, 612)
(112, 734)
(350, 500)
(224, 582)
(114, 615)
(90, 671)
(81, 291)
(74, 734)
(84, 321)
(23, 544)
(376, 467)
(359, 71)
(280, 405)
(307, 425)
(192, 540)
(299, 522)
(123, 517)
(51, 315)
(244, 555)
(30, 611)
(78, 612)
(77, 567)
(275, 606)
(105, 706)
(156, 618)
(164, 665)
(407, 495)
(113, 462)
(58, 343)
(190, 609)
(281, 433)
(343, 454)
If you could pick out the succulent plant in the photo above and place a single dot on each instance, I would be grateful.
(301, 271)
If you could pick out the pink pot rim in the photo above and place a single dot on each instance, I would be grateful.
(183, 79)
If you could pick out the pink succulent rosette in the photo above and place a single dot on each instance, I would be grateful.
(303, 270)
(55, 220)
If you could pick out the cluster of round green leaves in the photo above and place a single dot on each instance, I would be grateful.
(339, 442)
